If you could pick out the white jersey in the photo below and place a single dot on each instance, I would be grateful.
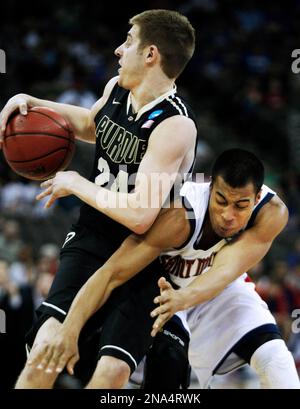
(186, 263)
(216, 325)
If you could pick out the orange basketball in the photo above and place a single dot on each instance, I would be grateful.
(39, 144)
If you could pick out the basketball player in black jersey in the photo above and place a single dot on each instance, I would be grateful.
(141, 128)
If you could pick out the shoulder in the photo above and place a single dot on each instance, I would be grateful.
(109, 86)
(271, 219)
(170, 229)
(275, 207)
(173, 112)
(197, 189)
(180, 128)
(106, 93)
(179, 123)
(179, 120)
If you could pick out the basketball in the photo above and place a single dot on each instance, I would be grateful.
(39, 144)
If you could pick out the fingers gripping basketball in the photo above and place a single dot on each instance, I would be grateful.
(39, 144)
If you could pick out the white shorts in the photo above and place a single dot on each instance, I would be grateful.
(217, 325)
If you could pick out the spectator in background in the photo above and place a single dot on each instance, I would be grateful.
(78, 94)
(17, 197)
(18, 306)
(293, 257)
(48, 258)
(22, 271)
(10, 241)
(274, 98)
(41, 287)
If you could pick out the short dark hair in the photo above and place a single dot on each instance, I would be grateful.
(239, 167)
(173, 35)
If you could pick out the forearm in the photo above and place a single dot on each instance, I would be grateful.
(88, 300)
(125, 208)
(131, 257)
(170, 301)
(230, 263)
(96, 291)
(77, 117)
(205, 288)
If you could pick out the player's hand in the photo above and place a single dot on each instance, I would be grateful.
(20, 102)
(59, 186)
(53, 356)
(170, 301)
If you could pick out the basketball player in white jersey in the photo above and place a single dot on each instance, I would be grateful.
(224, 228)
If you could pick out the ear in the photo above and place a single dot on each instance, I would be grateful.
(257, 199)
(152, 54)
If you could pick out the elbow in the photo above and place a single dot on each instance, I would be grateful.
(142, 223)
(116, 282)
(140, 228)
(113, 285)
(141, 215)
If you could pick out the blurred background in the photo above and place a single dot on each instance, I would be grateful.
(241, 87)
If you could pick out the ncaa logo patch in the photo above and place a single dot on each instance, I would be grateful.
(154, 114)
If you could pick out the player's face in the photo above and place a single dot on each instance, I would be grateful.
(130, 60)
(230, 208)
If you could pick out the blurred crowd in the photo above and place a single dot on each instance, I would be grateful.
(240, 85)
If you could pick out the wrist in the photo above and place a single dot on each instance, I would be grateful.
(32, 101)
(185, 299)
(75, 183)
(70, 330)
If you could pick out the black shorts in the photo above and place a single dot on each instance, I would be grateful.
(121, 328)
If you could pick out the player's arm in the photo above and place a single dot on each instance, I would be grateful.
(80, 119)
(170, 229)
(170, 142)
(230, 262)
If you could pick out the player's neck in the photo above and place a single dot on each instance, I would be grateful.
(149, 90)
(209, 238)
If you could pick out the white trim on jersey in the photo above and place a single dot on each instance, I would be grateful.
(27, 349)
(183, 106)
(122, 350)
(54, 307)
(176, 105)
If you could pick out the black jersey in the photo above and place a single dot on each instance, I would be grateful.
(121, 142)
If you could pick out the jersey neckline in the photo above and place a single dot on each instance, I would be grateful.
(150, 105)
